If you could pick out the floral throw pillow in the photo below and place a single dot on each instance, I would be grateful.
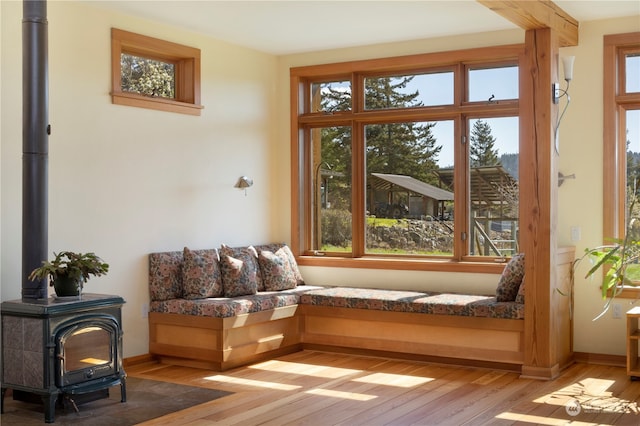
(165, 275)
(520, 295)
(511, 279)
(239, 274)
(244, 252)
(283, 251)
(277, 273)
(201, 277)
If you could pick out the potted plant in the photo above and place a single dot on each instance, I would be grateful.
(68, 271)
(620, 260)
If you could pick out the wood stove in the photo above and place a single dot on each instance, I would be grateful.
(58, 348)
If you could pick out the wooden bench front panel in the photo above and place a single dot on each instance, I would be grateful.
(222, 343)
(447, 336)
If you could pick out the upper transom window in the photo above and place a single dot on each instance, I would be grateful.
(156, 74)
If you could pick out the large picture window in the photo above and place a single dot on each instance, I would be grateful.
(407, 162)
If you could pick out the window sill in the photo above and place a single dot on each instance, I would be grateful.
(438, 265)
(629, 293)
(160, 104)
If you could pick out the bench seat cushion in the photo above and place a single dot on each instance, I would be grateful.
(410, 301)
(223, 307)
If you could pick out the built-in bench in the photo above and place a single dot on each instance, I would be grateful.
(217, 332)
(439, 327)
(226, 332)
(222, 333)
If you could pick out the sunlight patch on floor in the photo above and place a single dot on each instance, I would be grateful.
(397, 380)
(305, 369)
(255, 383)
(536, 420)
(592, 395)
(342, 395)
(608, 404)
(588, 388)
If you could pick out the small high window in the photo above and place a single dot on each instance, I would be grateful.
(155, 74)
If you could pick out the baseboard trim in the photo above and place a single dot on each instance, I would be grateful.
(540, 373)
(601, 359)
(582, 357)
(139, 359)
(514, 368)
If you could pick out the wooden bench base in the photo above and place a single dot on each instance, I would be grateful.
(224, 343)
(442, 336)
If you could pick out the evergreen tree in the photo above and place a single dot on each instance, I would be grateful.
(481, 150)
(633, 170)
(406, 148)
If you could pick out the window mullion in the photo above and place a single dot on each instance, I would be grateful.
(358, 167)
(358, 189)
(461, 169)
(461, 222)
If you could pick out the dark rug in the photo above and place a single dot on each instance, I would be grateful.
(146, 400)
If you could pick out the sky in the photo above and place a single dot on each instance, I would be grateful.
(493, 85)
(633, 117)
(503, 84)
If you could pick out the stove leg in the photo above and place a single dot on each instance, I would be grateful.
(123, 390)
(49, 407)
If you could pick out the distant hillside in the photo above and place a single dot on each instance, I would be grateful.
(510, 163)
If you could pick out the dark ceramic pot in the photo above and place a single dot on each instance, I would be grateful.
(66, 286)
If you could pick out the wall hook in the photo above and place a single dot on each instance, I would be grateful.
(562, 177)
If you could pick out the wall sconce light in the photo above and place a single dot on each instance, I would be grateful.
(567, 65)
(244, 182)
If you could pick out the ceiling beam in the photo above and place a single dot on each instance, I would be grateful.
(537, 14)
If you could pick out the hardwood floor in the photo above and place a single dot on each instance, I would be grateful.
(317, 388)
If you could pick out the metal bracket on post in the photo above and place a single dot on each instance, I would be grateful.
(555, 87)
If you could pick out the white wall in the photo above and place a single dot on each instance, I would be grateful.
(126, 181)
(580, 200)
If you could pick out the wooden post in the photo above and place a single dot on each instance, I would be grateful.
(538, 202)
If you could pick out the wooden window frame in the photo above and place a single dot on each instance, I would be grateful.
(615, 104)
(302, 119)
(187, 72)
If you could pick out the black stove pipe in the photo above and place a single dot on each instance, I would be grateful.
(35, 145)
